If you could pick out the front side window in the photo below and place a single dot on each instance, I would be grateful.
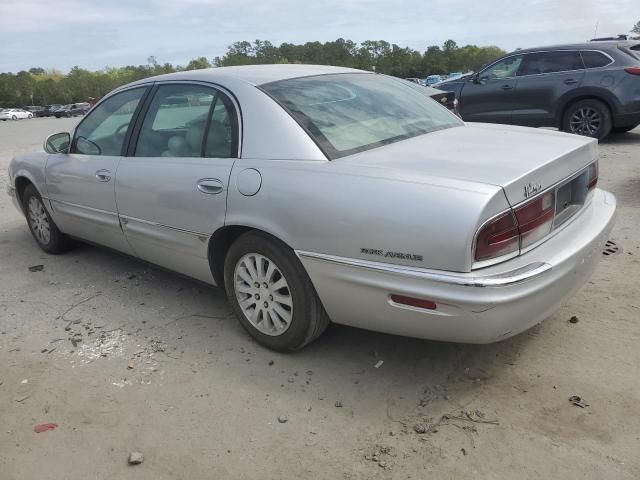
(103, 131)
(182, 120)
(353, 112)
(593, 59)
(551, 62)
(505, 68)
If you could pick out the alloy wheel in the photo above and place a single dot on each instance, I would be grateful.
(586, 121)
(39, 221)
(263, 294)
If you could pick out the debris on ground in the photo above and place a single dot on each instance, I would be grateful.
(283, 419)
(338, 404)
(43, 427)
(36, 268)
(136, 458)
(573, 319)
(379, 364)
(379, 455)
(578, 401)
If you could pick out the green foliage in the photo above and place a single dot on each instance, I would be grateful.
(369, 55)
(43, 87)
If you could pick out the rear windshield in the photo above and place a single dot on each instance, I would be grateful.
(354, 112)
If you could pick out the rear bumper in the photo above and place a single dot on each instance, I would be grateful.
(500, 302)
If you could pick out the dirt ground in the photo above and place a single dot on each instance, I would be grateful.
(124, 357)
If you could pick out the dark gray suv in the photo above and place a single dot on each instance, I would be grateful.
(588, 89)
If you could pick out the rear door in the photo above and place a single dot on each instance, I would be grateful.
(543, 79)
(490, 96)
(81, 183)
(171, 188)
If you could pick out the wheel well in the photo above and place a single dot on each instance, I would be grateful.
(20, 184)
(219, 246)
(578, 99)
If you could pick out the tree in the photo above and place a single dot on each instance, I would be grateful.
(636, 28)
(198, 64)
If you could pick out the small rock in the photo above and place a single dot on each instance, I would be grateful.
(36, 268)
(271, 362)
(130, 366)
(283, 419)
(419, 428)
(136, 458)
(24, 381)
(573, 319)
(338, 404)
(383, 464)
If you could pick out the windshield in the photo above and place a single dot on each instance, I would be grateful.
(350, 113)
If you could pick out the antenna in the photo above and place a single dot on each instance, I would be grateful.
(595, 33)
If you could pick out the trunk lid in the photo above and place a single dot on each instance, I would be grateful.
(523, 161)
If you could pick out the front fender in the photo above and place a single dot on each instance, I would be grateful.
(32, 167)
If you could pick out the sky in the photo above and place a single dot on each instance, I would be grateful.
(94, 34)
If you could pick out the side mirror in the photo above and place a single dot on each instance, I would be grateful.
(58, 143)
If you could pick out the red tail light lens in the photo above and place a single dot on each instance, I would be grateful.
(633, 70)
(498, 237)
(535, 218)
(593, 176)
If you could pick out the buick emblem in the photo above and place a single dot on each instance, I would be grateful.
(531, 189)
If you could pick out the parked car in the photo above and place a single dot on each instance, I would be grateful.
(447, 99)
(50, 110)
(415, 80)
(432, 80)
(72, 110)
(316, 193)
(14, 114)
(588, 89)
(35, 109)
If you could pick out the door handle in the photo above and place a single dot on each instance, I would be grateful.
(506, 87)
(103, 175)
(570, 81)
(210, 186)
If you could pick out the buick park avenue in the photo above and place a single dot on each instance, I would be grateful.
(317, 194)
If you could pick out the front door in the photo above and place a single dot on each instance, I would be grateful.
(171, 189)
(490, 96)
(81, 184)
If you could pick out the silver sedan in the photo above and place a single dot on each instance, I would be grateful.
(316, 194)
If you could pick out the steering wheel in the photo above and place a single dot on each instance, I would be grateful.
(121, 131)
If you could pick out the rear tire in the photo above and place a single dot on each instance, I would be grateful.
(589, 118)
(623, 129)
(271, 293)
(45, 232)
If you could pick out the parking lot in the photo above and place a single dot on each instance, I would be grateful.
(125, 357)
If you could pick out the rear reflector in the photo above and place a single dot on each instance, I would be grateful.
(633, 70)
(535, 218)
(413, 302)
(498, 237)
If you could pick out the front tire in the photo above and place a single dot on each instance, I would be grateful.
(589, 118)
(271, 293)
(14, 117)
(45, 232)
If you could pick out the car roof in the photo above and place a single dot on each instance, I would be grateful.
(253, 74)
(602, 45)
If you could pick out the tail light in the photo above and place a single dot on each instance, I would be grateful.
(535, 218)
(498, 237)
(524, 225)
(633, 70)
(593, 176)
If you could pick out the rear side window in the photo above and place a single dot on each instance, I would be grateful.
(594, 59)
(551, 62)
